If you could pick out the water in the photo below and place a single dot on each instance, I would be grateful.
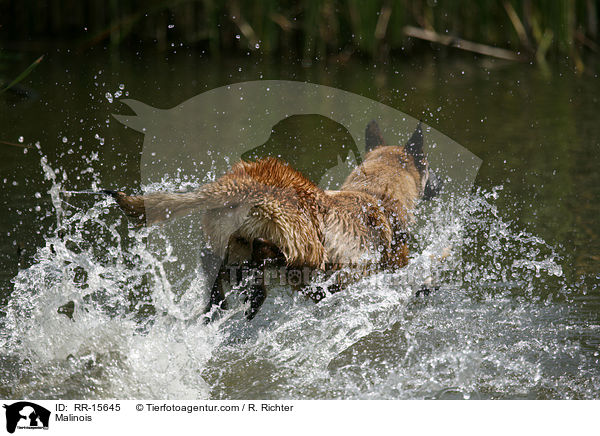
(88, 310)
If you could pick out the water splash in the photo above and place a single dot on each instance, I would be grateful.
(98, 316)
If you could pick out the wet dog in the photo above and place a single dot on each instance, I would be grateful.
(265, 213)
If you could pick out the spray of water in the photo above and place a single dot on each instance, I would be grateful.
(97, 316)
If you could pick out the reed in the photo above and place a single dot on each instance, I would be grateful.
(537, 29)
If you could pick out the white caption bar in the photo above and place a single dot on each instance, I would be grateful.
(277, 417)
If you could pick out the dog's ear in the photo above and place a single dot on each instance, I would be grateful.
(433, 186)
(373, 136)
(414, 148)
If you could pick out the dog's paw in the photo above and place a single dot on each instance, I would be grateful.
(425, 291)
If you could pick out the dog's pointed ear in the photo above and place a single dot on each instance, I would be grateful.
(414, 148)
(373, 136)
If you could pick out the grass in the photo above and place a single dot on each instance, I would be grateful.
(538, 29)
(21, 76)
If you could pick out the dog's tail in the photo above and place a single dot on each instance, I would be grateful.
(155, 207)
(282, 209)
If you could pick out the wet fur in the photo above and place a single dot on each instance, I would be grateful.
(265, 212)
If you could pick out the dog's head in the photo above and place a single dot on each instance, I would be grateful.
(430, 183)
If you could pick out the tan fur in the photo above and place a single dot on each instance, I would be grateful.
(389, 176)
(264, 199)
(364, 222)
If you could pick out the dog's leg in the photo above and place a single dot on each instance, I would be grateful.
(257, 295)
(217, 295)
(264, 254)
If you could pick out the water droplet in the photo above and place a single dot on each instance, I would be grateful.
(21, 139)
(109, 97)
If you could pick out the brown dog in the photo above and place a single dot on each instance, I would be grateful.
(267, 213)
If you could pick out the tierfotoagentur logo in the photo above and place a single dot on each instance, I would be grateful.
(323, 134)
(26, 415)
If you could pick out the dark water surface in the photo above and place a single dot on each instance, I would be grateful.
(517, 314)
